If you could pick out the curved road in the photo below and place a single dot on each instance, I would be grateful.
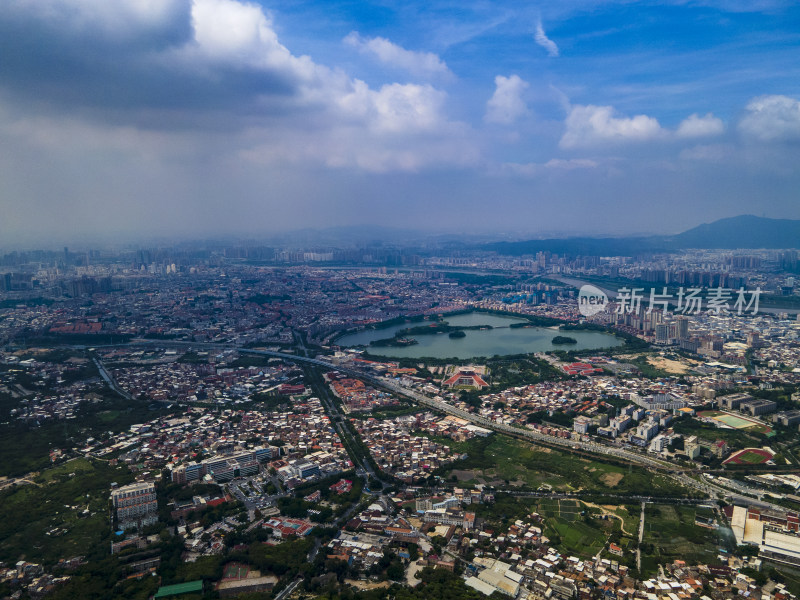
(671, 470)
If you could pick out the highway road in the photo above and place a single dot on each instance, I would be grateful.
(112, 383)
(363, 467)
(669, 469)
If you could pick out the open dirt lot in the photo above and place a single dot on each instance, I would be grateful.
(675, 367)
(611, 479)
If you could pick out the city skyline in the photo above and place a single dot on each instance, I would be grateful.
(225, 117)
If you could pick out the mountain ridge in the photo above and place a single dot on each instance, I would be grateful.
(739, 232)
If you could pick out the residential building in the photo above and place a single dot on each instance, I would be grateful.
(135, 505)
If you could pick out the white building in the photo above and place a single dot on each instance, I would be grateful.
(136, 504)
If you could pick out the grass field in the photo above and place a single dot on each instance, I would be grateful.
(570, 527)
(24, 449)
(790, 576)
(749, 456)
(671, 534)
(752, 458)
(631, 518)
(559, 508)
(735, 438)
(46, 521)
(576, 537)
(497, 459)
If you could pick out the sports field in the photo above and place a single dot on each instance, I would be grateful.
(749, 456)
(733, 421)
(736, 422)
(235, 571)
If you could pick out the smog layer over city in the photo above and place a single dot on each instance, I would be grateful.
(400, 301)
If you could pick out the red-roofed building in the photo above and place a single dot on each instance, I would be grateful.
(466, 378)
(581, 369)
(290, 389)
(283, 527)
(342, 486)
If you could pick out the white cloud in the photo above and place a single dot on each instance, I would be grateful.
(506, 104)
(229, 29)
(696, 126)
(398, 127)
(597, 125)
(274, 106)
(422, 64)
(555, 167)
(374, 150)
(571, 164)
(715, 153)
(241, 34)
(394, 108)
(772, 118)
(545, 42)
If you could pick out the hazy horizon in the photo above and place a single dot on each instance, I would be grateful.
(192, 119)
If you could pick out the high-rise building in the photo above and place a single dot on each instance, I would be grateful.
(682, 327)
(135, 505)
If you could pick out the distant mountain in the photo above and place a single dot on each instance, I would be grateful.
(585, 246)
(744, 231)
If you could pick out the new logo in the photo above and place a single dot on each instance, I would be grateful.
(591, 300)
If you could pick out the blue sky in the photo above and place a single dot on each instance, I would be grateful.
(197, 117)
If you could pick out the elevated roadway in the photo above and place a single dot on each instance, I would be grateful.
(620, 454)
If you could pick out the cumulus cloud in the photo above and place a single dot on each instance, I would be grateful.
(395, 107)
(210, 66)
(227, 30)
(398, 127)
(773, 118)
(421, 64)
(152, 63)
(696, 126)
(506, 104)
(545, 42)
(597, 125)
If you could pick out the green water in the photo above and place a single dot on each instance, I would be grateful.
(486, 342)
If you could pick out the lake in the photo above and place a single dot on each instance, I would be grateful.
(486, 342)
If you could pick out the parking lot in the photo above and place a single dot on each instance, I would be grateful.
(257, 492)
